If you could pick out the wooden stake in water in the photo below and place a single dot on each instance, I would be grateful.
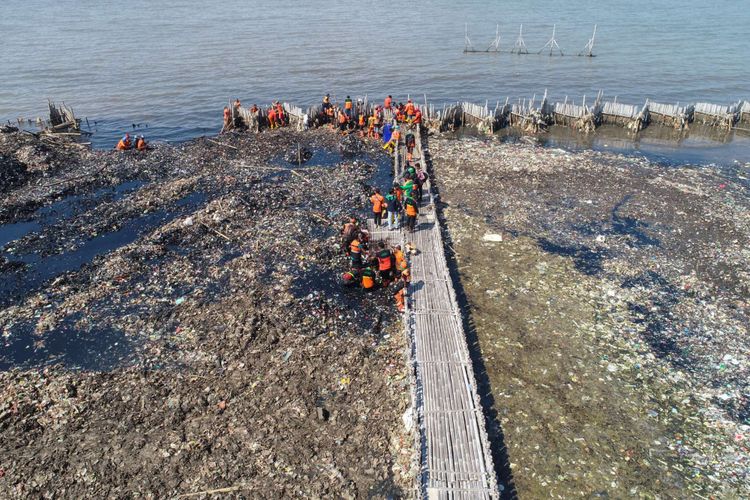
(495, 45)
(552, 43)
(520, 46)
(468, 47)
(588, 50)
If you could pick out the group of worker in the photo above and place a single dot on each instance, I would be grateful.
(347, 117)
(126, 144)
(402, 200)
(274, 116)
(354, 117)
(380, 266)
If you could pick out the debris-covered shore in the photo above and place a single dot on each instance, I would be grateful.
(611, 301)
(171, 323)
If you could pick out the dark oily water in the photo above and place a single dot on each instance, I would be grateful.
(37, 270)
(63, 209)
(136, 70)
(94, 349)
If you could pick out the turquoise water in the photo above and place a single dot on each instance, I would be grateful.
(171, 66)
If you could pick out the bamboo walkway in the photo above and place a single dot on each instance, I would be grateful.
(455, 459)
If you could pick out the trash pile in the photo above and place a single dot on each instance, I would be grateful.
(611, 298)
(24, 155)
(171, 324)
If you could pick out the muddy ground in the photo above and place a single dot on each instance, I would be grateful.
(171, 323)
(612, 317)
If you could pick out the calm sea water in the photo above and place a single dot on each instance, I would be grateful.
(172, 65)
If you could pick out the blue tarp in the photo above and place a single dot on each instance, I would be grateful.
(386, 132)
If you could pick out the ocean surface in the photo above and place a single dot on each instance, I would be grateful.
(169, 67)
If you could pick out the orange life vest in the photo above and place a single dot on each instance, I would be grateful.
(377, 202)
(348, 105)
(354, 246)
(400, 300)
(342, 118)
(361, 120)
(123, 145)
(400, 260)
(411, 210)
(384, 261)
(367, 281)
(409, 108)
(140, 145)
(417, 116)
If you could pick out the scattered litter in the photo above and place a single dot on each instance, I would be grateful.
(495, 237)
(617, 306)
(142, 293)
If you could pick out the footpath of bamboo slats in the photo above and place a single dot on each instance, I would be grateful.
(454, 451)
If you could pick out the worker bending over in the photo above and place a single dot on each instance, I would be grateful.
(392, 144)
(125, 143)
(386, 263)
(140, 143)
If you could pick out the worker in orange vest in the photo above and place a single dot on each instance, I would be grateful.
(400, 290)
(355, 247)
(377, 201)
(140, 143)
(368, 278)
(417, 117)
(398, 256)
(385, 263)
(409, 109)
(371, 127)
(329, 115)
(355, 253)
(124, 143)
(349, 233)
(227, 119)
(343, 119)
(412, 210)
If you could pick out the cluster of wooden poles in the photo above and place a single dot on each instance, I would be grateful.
(533, 115)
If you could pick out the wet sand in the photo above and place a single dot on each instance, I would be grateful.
(612, 317)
